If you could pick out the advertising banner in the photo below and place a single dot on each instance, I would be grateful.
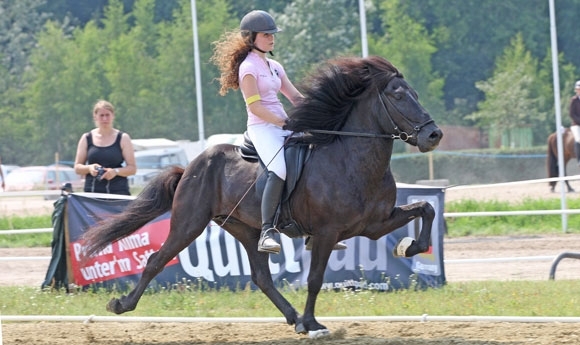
(218, 260)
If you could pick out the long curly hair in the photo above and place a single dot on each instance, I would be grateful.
(229, 52)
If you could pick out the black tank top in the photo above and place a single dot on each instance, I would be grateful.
(107, 157)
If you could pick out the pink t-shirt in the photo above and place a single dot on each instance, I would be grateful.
(269, 83)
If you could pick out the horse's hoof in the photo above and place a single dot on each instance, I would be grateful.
(402, 246)
(319, 333)
(114, 306)
(299, 328)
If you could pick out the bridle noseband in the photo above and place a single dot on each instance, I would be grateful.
(402, 135)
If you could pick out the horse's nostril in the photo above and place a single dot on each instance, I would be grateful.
(437, 134)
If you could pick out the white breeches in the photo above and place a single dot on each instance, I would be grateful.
(269, 140)
(576, 133)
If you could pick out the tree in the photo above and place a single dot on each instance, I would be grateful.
(512, 96)
(472, 35)
(131, 69)
(410, 48)
(20, 22)
(314, 31)
(567, 77)
(222, 114)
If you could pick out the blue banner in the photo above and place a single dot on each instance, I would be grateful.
(217, 260)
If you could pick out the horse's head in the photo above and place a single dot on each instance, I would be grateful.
(401, 115)
(348, 96)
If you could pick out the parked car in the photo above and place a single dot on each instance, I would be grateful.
(7, 168)
(42, 178)
(151, 162)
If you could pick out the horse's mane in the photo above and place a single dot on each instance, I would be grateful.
(332, 92)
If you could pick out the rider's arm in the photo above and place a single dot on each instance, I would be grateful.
(249, 88)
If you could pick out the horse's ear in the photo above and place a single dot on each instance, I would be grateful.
(366, 68)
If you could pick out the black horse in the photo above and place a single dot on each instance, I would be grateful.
(353, 110)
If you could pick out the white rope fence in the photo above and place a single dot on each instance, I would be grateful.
(418, 318)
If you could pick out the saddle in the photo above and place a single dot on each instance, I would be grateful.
(296, 154)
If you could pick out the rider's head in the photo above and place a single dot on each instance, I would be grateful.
(257, 21)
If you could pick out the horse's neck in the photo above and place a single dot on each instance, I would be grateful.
(362, 155)
(375, 152)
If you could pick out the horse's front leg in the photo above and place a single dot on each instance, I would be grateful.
(321, 249)
(400, 216)
(262, 277)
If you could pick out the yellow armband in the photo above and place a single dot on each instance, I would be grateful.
(253, 99)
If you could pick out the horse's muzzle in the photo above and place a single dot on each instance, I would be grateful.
(428, 138)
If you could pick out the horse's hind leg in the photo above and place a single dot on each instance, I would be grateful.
(570, 189)
(186, 226)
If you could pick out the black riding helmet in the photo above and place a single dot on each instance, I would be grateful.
(259, 21)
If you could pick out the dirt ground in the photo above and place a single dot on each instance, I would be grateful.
(345, 333)
(544, 248)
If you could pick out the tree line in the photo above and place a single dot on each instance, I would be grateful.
(474, 63)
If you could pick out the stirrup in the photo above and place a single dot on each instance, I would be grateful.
(338, 246)
(267, 244)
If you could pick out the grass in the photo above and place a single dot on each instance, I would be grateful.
(510, 225)
(25, 240)
(492, 298)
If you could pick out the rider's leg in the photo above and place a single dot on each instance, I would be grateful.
(270, 200)
(575, 129)
(269, 142)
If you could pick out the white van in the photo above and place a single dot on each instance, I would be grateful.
(151, 162)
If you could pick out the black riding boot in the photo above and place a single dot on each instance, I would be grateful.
(577, 151)
(270, 200)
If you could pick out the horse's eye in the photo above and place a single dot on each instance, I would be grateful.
(398, 94)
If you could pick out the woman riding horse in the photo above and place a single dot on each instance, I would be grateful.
(353, 110)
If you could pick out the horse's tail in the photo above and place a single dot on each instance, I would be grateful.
(153, 201)
(552, 159)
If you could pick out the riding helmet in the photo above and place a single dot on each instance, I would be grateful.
(259, 21)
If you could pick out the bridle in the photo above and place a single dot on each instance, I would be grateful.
(402, 135)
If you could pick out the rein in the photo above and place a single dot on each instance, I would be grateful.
(404, 136)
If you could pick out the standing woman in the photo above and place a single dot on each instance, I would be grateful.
(105, 154)
(241, 58)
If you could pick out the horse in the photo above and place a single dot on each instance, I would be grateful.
(352, 112)
(552, 159)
